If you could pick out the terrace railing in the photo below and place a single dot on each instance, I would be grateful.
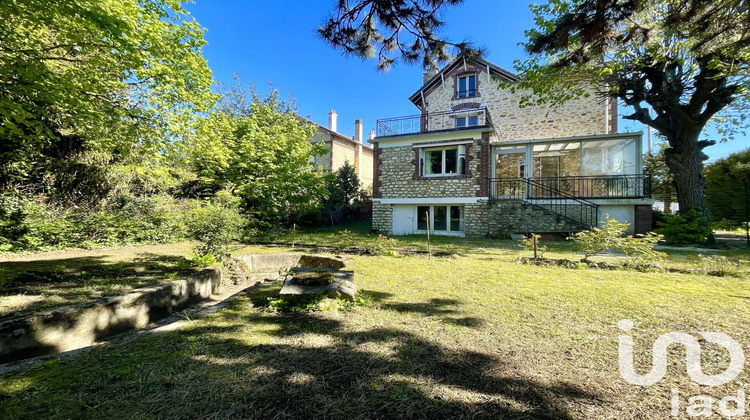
(434, 121)
(577, 210)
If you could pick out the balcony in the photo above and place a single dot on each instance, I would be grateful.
(435, 121)
(600, 186)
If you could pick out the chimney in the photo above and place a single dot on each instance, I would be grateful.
(358, 130)
(372, 134)
(332, 121)
(430, 73)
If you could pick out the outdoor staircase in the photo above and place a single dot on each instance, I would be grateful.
(575, 212)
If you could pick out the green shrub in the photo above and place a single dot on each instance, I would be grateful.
(533, 245)
(685, 228)
(640, 248)
(718, 265)
(215, 225)
(727, 225)
(593, 241)
(611, 235)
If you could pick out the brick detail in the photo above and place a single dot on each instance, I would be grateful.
(377, 171)
(612, 115)
(483, 174)
(466, 105)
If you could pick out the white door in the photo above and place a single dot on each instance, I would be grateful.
(403, 219)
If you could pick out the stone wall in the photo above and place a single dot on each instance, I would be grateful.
(580, 117)
(515, 217)
(382, 217)
(323, 161)
(399, 176)
(75, 326)
(476, 216)
(365, 167)
(342, 152)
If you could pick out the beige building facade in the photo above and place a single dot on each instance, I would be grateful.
(342, 149)
(475, 163)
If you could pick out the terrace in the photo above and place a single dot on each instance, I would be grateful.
(434, 121)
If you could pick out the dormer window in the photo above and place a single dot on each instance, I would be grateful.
(467, 86)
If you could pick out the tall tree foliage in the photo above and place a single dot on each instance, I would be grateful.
(684, 61)
(258, 148)
(727, 182)
(661, 181)
(390, 29)
(109, 76)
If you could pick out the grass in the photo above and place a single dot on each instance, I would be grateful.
(473, 335)
(35, 282)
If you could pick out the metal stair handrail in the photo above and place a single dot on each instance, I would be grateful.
(559, 201)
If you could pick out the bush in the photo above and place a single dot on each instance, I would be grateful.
(727, 225)
(685, 228)
(214, 225)
(596, 240)
(639, 248)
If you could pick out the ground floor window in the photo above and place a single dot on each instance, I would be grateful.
(441, 218)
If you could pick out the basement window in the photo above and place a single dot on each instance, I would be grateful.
(443, 219)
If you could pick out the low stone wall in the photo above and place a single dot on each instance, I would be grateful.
(253, 268)
(76, 326)
(84, 324)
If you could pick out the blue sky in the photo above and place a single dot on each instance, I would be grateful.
(275, 41)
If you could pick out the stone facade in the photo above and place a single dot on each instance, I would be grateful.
(580, 117)
(382, 217)
(343, 149)
(516, 217)
(399, 175)
(476, 218)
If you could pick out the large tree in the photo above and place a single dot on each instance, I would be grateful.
(258, 148)
(678, 64)
(95, 76)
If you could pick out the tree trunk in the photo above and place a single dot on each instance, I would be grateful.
(684, 158)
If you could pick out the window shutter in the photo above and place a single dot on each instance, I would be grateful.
(421, 162)
(462, 159)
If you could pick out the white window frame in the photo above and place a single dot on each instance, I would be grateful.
(448, 231)
(467, 118)
(468, 92)
(460, 160)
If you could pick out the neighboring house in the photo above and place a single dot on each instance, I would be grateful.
(344, 149)
(474, 163)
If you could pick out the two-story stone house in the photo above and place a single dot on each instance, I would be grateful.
(475, 163)
(341, 149)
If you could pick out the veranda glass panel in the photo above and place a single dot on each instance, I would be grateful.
(422, 212)
(609, 157)
(441, 218)
(553, 166)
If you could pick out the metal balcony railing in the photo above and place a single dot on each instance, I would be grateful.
(435, 121)
(577, 210)
(597, 186)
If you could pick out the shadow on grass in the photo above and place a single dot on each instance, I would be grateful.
(71, 280)
(286, 366)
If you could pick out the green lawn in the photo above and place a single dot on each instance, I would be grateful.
(470, 335)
